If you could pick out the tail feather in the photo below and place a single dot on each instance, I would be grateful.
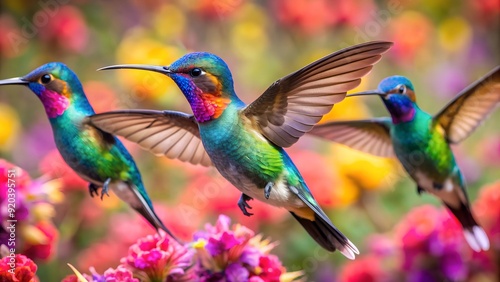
(153, 219)
(327, 236)
(130, 194)
(473, 233)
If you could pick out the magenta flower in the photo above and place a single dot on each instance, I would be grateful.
(432, 245)
(159, 258)
(235, 254)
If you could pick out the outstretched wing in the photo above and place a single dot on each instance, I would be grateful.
(292, 105)
(466, 112)
(369, 136)
(164, 133)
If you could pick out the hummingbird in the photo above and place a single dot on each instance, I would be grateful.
(245, 142)
(96, 156)
(422, 142)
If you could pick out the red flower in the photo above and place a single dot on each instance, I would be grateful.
(46, 249)
(270, 268)
(17, 269)
(364, 269)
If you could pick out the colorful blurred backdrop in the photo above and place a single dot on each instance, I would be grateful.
(441, 45)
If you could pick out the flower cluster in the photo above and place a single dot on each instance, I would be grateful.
(235, 254)
(219, 253)
(426, 245)
(30, 203)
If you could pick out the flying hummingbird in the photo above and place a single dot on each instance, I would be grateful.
(96, 156)
(421, 142)
(245, 142)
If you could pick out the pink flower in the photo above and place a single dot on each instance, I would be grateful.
(159, 258)
(33, 210)
(309, 16)
(120, 274)
(66, 29)
(24, 269)
(13, 43)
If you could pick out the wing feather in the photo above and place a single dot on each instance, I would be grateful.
(369, 136)
(294, 104)
(473, 105)
(166, 133)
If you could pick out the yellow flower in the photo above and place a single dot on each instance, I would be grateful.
(138, 47)
(248, 35)
(365, 170)
(347, 193)
(169, 22)
(455, 34)
(10, 125)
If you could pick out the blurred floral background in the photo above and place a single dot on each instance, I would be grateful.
(441, 45)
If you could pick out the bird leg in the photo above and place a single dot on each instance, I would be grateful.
(105, 188)
(267, 190)
(420, 190)
(242, 203)
(93, 189)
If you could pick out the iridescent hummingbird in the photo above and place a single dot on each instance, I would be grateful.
(421, 142)
(245, 142)
(96, 156)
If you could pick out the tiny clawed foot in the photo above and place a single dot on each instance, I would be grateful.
(243, 204)
(93, 190)
(105, 188)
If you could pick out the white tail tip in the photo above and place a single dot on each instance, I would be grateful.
(477, 239)
(349, 250)
(348, 253)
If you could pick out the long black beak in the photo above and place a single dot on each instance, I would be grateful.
(160, 69)
(12, 81)
(367, 93)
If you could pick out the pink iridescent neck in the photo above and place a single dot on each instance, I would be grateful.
(55, 104)
(404, 116)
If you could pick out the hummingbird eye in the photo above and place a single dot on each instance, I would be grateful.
(402, 89)
(196, 72)
(46, 78)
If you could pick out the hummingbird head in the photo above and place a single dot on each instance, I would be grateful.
(204, 79)
(53, 83)
(398, 95)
